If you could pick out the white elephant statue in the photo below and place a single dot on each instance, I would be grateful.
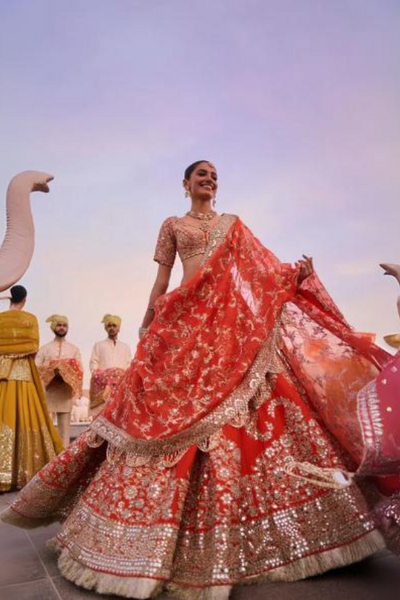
(19, 241)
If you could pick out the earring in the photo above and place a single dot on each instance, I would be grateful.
(214, 201)
(187, 194)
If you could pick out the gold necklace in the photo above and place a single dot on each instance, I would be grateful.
(204, 217)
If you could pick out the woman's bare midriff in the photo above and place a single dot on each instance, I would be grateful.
(190, 267)
(192, 264)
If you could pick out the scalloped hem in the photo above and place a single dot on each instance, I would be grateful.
(143, 587)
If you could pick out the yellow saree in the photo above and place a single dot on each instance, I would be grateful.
(28, 438)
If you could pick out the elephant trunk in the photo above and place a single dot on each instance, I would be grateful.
(19, 241)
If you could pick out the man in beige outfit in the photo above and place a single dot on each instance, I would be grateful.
(109, 360)
(60, 366)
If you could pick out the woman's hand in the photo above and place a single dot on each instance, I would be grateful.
(306, 268)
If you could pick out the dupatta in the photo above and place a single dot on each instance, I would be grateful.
(19, 334)
(214, 339)
(68, 369)
(19, 342)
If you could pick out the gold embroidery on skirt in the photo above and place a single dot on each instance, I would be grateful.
(15, 368)
(35, 449)
(7, 436)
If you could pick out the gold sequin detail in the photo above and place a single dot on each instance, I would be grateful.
(232, 410)
(213, 526)
(15, 368)
(7, 440)
(177, 235)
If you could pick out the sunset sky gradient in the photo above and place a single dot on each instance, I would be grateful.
(295, 102)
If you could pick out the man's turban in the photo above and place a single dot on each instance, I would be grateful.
(107, 319)
(55, 319)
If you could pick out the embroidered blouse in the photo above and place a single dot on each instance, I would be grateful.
(176, 235)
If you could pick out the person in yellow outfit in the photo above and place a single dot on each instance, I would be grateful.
(28, 438)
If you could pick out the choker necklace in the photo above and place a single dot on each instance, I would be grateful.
(204, 217)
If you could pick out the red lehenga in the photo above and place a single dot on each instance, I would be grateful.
(218, 460)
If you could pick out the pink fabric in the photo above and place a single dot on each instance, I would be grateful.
(379, 411)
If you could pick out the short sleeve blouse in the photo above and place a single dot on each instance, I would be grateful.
(166, 244)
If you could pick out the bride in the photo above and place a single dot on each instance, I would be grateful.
(224, 456)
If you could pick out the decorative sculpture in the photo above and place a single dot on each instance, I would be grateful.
(19, 241)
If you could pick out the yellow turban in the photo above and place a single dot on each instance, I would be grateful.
(55, 319)
(107, 319)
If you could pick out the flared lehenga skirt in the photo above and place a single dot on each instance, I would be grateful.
(28, 441)
(218, 514)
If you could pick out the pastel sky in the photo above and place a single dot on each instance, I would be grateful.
(295, 101)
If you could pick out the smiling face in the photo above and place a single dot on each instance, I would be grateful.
(203, 182)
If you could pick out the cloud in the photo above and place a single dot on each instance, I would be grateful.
(296, 103)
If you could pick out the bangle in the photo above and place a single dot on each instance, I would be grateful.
(151, 308)
(142, 332)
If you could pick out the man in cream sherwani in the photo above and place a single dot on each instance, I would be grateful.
(60, 366)
(109, 360)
